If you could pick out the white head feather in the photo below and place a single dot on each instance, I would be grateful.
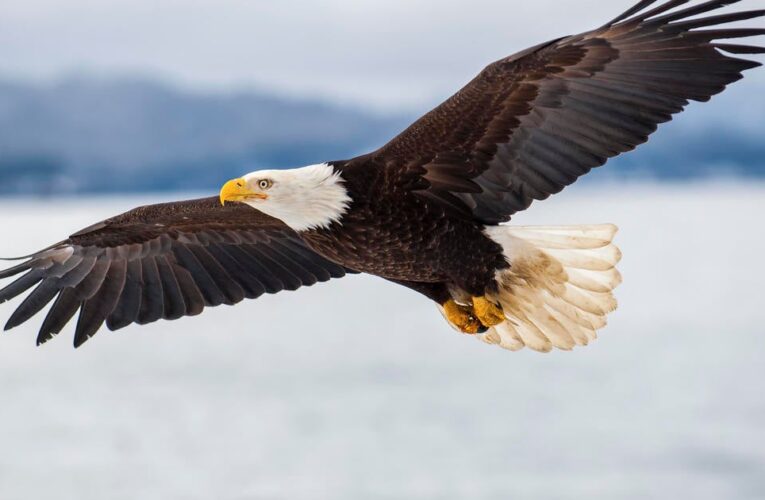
(305, 198)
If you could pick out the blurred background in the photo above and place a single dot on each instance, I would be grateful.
(357, 388)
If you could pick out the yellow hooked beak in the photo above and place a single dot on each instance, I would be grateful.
(236, 190)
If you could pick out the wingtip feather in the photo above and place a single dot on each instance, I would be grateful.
(644, 4)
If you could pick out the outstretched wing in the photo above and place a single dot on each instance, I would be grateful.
(162, 262)
(531, 124)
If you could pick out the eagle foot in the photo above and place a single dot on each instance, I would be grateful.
(488, 313)
(463, 318)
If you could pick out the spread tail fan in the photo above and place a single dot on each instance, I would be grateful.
(559, 288)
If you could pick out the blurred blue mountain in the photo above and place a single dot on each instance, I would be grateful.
(123, 135)
(131, 135)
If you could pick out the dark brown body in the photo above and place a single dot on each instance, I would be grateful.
(407, 239)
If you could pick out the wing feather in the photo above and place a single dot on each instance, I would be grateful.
(63, 310)
(129, 302)
(174, 303)
(34, 302)
(152, 296)
(97, 308)
(249, 284)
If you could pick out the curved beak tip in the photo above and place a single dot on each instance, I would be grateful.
(233, 190)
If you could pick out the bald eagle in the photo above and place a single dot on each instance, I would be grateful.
(426, 210)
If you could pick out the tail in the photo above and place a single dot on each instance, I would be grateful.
(559, 287)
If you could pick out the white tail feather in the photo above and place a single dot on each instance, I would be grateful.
(559, 288)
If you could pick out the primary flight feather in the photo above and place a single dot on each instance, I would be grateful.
(425, 210)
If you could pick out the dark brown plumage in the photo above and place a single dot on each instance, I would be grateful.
(531, 124)
(525, 128)
(163, 262)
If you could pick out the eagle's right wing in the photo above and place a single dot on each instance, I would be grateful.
(531, 124)
(162, 262)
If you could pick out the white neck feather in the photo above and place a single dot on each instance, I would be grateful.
(305, 198)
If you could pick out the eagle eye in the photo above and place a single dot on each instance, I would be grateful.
(265, 183)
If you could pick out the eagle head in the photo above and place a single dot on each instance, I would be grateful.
(304, 198)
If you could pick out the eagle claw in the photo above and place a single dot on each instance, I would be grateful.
(463, 318)
(488, 313)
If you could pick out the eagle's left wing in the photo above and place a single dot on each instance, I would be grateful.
(162, 262)
(531, 124)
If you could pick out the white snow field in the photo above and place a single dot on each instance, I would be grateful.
(357, 389)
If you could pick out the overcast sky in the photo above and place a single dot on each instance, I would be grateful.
(385, 54)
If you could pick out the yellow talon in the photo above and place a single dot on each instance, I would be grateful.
(462, 318)
(487, 312)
